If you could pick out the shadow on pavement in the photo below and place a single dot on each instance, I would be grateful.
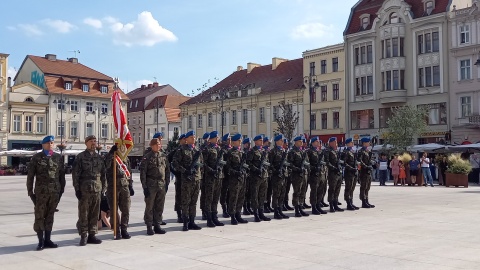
(33, 246)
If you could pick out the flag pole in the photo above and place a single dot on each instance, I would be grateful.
(115, 195)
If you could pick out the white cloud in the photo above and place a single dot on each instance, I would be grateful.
(11, 28)
(30, 29)
(110, 19)
(93, 22)
(128, 86)
(312, 30)
(59, 25)
(11, 72)
(145, 31)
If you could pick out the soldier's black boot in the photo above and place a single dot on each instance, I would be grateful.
(325, 204)
(297, 211)
(210, 220)
(149, 230)
(233, 220)
(157, 230)
(192, 225)
(48, 242)
(339, 203)
(338, 209)
(315, 210)
(41, 242)
(179, 217)
(365, 204)
(185, 223)
(239, 218)
(245, 210)
(266, 208)
(353, 205)
(349, 206)
(262, 216)
(215, 219)
(225, 213)
(118, 236)
(125, 234)
(270, 207)
(369, 204)
(92, 239)
(249, 208)
(282, 214)
(303, 212)
(256, 218)
(319, 208)
(284, 207)
(332, 208)
(306, 205)
(83, 240)
(289, 208)
(204, 215)
(276, 214)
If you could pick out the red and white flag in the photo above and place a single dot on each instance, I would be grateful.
(123, 139)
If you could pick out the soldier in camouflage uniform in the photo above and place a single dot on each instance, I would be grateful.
(154, 171)
(188, 162)
(268, 202)
(226, 146)
(89, 181)
(236, 160)
(178, 185)
(277, 158)
(334, 174)
(213, 167)
(247, 210)
(258, 179)
(364, 158)
(297, 159)
(323, 179)
(159, 136)
(288, 180)
(350, 174)
(306, 175)
(202, 147)
(317, 168)
(124, 191)
(47, 170)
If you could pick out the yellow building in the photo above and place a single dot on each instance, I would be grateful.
(3, 104)
(249, 100)
(324, 75)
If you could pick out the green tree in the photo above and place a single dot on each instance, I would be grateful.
(173, 143)
(406, 123)
(287, 121)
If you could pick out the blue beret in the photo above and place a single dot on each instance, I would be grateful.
(278, 137)
(182, 136)
(314, 139)
(236, 137)
(349, 140)
(48, 139)
(211, 135)
(298, 138)
(365, 139)
(266, 139)
(332, 139)
(225, 137)
(246, 140)
(158, 135)
(258, 137)
(190, 133)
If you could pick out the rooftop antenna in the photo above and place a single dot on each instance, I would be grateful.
(75, 52)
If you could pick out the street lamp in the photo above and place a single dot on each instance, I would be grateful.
(157, 108)
(222, 95)
(62, 103)
(312, 83)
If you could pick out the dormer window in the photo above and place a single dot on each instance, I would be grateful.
(365, 22)
(394, 18)
(104, 89)
(429, 6)
(85, 87)
(29, 100)
(68, 86)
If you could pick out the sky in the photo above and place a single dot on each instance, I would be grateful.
(189, 44)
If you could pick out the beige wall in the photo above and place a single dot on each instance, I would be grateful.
(3, 105)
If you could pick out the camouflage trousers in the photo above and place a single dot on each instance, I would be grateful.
(268, 198)
(278, 190)
(224, 193)
(298, 183)
(323, 186)
(316, 183)
(258, 192)
(190, 190)
(178, 193)
(334, 186)
(154, 206)
(365, 181)
(211, 192)
(44, 210)
(123, 202)
(248, 187)
(350, 183)
(88, 213)
(202, 192)
(236, 194)
(305, 187)
(288, 184)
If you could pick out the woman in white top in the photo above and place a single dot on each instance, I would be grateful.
(427, 175)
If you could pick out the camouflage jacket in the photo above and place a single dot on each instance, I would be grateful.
(363, 157)
(49, 173)
(211, 153)
(332, 159)
(296, 157)
(155, 169)
(349, 160)
(182, 163)
(234, 163)
(315, 157)
(122, 179)
(275, 157)
(254, 161)
(88, 173)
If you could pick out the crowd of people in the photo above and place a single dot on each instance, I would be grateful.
(243, 177)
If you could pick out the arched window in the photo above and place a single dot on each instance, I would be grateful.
(29, 100)
(394, 18)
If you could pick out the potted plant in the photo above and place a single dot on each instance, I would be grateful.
(457, 171)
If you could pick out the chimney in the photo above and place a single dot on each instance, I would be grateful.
(239, 68)
(51, 57)
(142, 87)
(155, 84)
(150, 85)
(251, 66)
(276, 61)
(73, 60)
(9, 82)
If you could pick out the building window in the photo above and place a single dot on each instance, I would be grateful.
(466, 106)
(436, 75)
(363, 119)
(436, 113)
(385, 114)
(200, 121)
(244, 116)
(104, 89)
(233, 94)
(60, 128)
(105, 131)
(365, 22)
(363, 54)
(85, 87)
(335, 64)
(394, 18)
(428, 41)
(190, 125)
(312, 68)
(392, 47)
(89, 107)
(323, 93)
(73, 129)
(209, 119)
(464, 34)
(262, 114)
(162, 129)
(28, 123)
(61, 105)
(234, 117)
(313, 95)
(17, 123)
(105, 109)
(429, 7)
(435, 42)
(74, 106)
(244, 92)
(155, 117)
(139, 137)
(465, 69)
(89, 129)
(393, 80)
(336, 91)
(139, 120)
(324, 121)
(148, 134)
(429, 76)
(275, 113)
(40, 121)
(336, 119)
(68, 86)
(364, 85)
(369, 54)
(323, 66)
(313, 121)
